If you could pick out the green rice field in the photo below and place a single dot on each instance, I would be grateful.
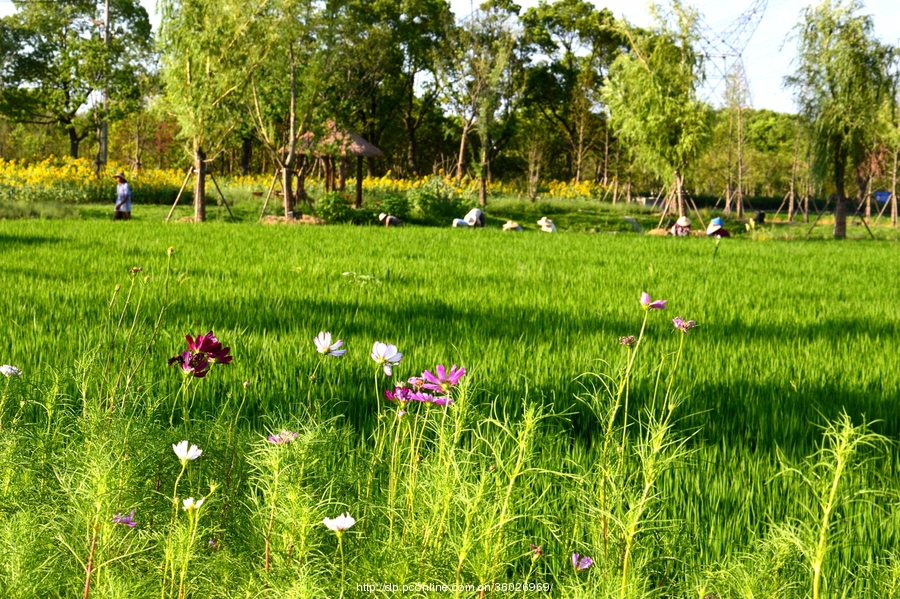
(705, 482)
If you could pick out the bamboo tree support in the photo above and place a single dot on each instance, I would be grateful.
(813, 226)
(222, 195)
(181, 191)
(862, 220)
(697, 212)
(883, 208)
(668, 206)
(269, 194)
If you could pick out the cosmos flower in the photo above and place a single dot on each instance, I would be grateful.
(416, 382)
(627, 341)
(186, 454)
(209, 344)
(683, 325)
(191, 364)
(282, 437)
(399, 393)
(126, 520)
(651, 305)
(581, 562)
(191, 504)
(386, 356)
(442, 381)
(326, 347)
(536, 551)
(341, 523)
(8, 371)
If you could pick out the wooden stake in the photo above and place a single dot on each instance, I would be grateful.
(180, 191)
(269, 194)
(222, 195)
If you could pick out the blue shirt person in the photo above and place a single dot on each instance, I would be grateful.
(123, 198)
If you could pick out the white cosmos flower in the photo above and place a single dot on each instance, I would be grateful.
(325, 346)
(8, 371)
(341, 523)
(387, 356)
(191, 504)
(186, 454)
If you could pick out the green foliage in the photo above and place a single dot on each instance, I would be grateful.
(396, 204)
(335, 207)
(55, 58)
(435, 202)
(652, 94)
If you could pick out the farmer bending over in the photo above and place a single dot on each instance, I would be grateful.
(388, 220)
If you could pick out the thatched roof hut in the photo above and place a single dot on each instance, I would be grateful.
(337, 142)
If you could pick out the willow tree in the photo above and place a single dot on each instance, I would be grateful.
(841, 82)
(204, 54)
(652, 96)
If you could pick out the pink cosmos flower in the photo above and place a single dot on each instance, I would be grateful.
(652, 305)
(282, 437)
(441, 381)
(399, 393)
(627, 341)
(326, 347)
(683, 325)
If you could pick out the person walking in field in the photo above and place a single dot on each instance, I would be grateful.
(123, 198)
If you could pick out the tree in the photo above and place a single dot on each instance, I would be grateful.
(205, 60)
(652, 97)
(581, 43)
(485, 79)
(53, 61)
(289, 50)
(840, 85)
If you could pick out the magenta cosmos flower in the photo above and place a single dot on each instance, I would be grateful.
(325, 346)
(442, 381)
(399, 393)
(582, 562)
(649, 304)
(683, 325)
(386, 356)
(209, 344)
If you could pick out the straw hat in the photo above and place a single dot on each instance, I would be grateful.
(545, 221)
(382, 216)
(683, 222)
(120, 175)
(511, 225)
(712, 228)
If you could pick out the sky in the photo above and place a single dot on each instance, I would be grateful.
(767, 57)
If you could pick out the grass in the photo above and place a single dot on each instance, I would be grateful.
(790, 337)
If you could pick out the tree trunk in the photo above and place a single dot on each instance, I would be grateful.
(359, 181)
(679, 193)
(411, 149)
(894, 192)
(840, 209)
(246, 155)
(287, 188)
(482, 178)
(569, 164)
(740, 158)
(199, 186)
(74, 142)
(461, 159)
(342, 174)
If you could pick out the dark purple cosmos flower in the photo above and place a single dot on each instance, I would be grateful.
(442, 381)
(683, 325)
(581, 562)
(126, 520)
(196, 365)
(536, 551)
(627, 341)
(282, 437)
(651, 305)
